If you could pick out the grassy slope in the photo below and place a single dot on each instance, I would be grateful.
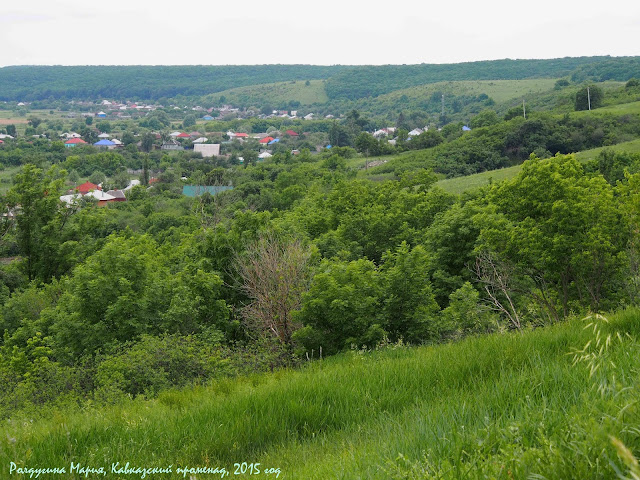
(498, 90)
(481, 406)
(276, 93)
(460, 184)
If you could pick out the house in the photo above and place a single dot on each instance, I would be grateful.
(266, 140)
(1, 142)
(207, 118)
(201, 140)
(242, 135)
(102, 197)
(104, 143)
(68, 135)
(4, 135)
(415, 132)
(207, 150)
(309, 116)
(171, 145)
(275, 140)
(104, 135)
(118, 195)
(132, 183)
(291, 133)
(183, 135)
(101, 115)
(87, 187)
(264, 155)
(466, 128)
(74, 142)
(197, 190)
(174, 134)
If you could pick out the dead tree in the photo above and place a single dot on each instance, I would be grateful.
(496, 277)
(274, 274)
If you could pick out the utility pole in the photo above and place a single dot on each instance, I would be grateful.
(589, 98)
(524, 111)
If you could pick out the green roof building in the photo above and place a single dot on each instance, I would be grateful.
(197, 190)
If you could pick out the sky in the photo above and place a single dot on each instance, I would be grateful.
(328, 32)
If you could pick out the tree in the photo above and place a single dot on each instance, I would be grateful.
(366, 144)
(128, 138)
(274, 274)
(97, 177)
(104, 126)
(34, 121)
(402, 123)
(409, 307)
(589, 97)
(342, 307)
(88, 120)
(484, 119)
(40, 219)
(189, 121)
(11, 130)
(428, 139)
(147, 142)
(338, 136)
(560, 231)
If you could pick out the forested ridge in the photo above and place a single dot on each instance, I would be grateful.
(29, 83)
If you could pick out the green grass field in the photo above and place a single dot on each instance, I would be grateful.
(499, 90)
(461, 184)
(276, 93)
(502, 406)
(620, 109)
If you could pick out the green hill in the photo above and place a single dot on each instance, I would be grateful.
(539, 404)
(28, 83)
(274, 94)
(371, 81)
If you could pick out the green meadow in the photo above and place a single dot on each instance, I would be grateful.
(539, 404)
(461, 184)
(276, 93)
(499, 90)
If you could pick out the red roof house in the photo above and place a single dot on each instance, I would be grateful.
(73, 142)
(291, 133)
(266, 139)
(183, 135)
(86, 187)
(242, 135)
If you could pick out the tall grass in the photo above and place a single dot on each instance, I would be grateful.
(502, 406)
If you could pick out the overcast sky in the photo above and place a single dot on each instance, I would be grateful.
(210, 32)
